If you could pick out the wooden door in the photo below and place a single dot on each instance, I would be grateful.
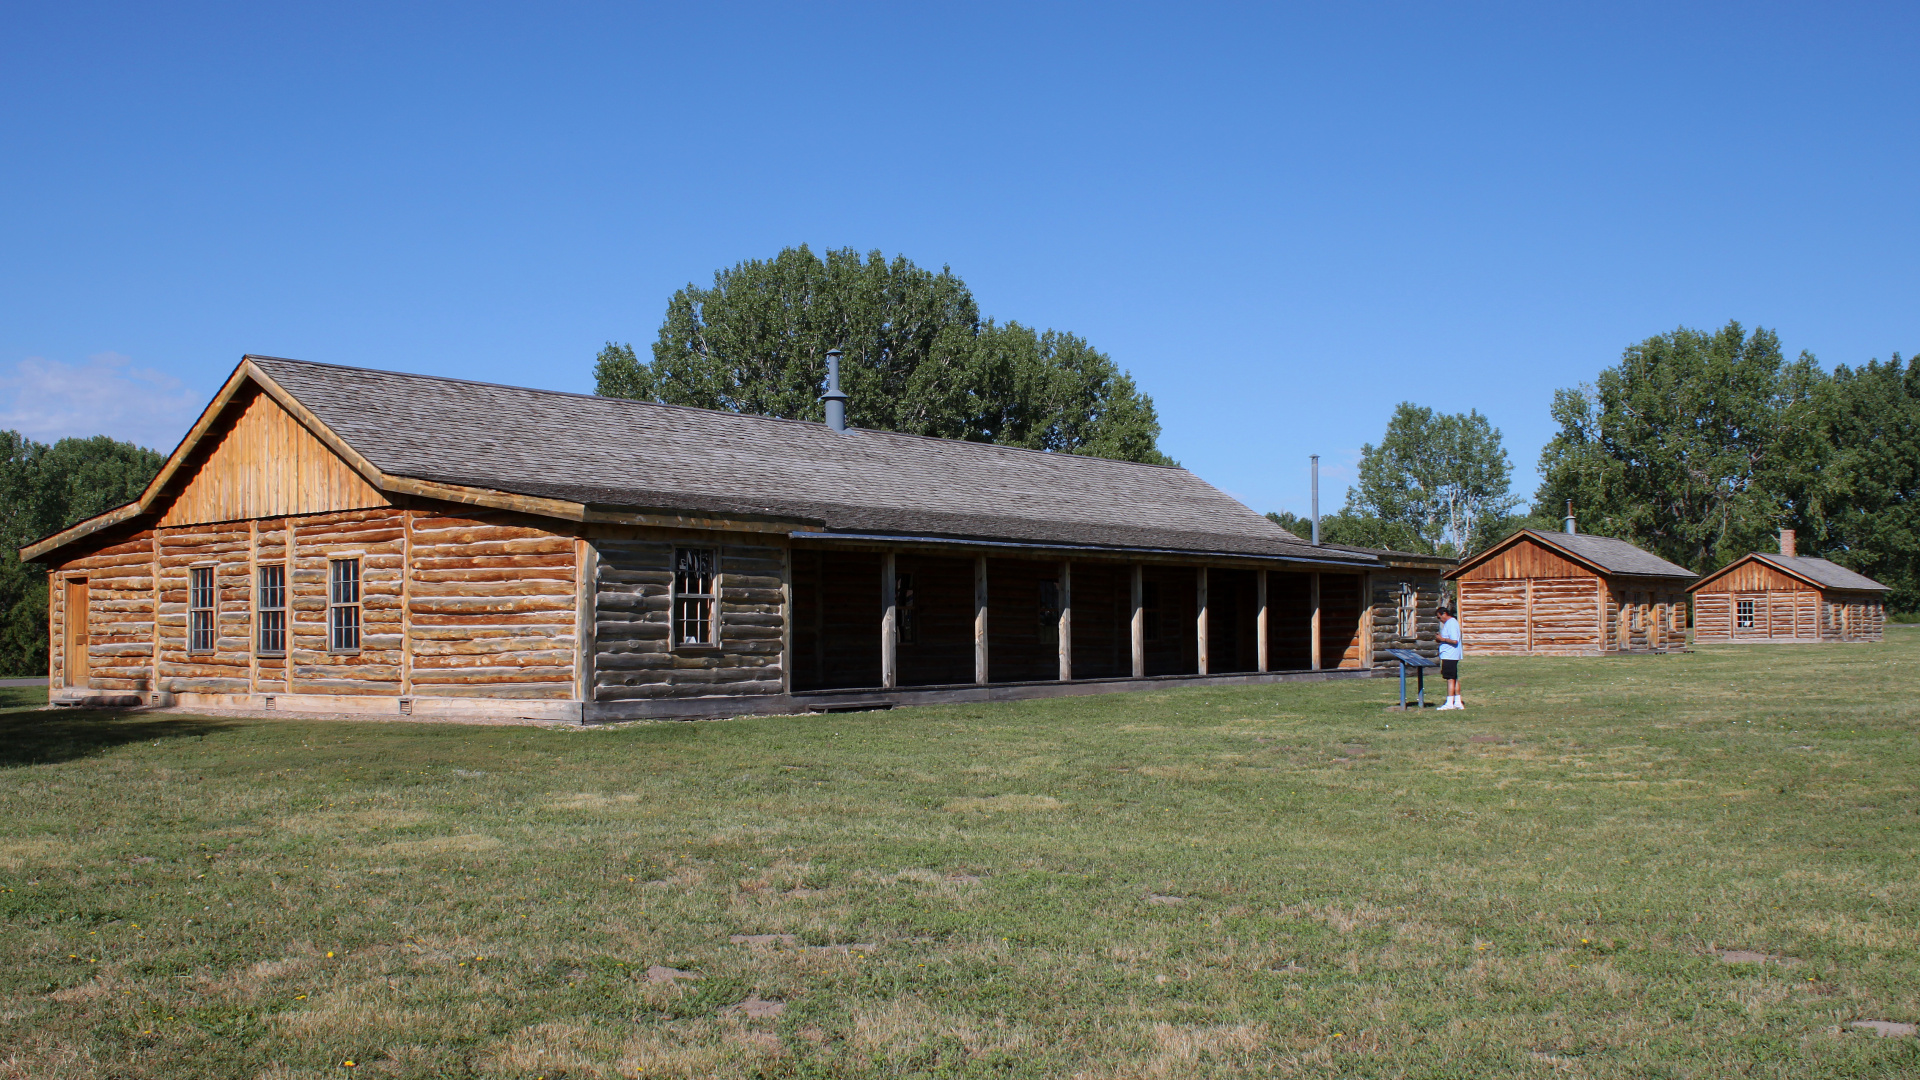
(76, 623)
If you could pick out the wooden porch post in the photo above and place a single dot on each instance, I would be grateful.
(1366, 619)
(1066, 621)
(980, 619)
(1260, 617)
(889, 625)
(1139, 625)
(1313, 621)
(1200, 615)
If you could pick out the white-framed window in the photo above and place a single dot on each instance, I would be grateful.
(694, 598)
(1409, 609)
(270, 608)
(1743, 614)
(200, 609)
(343, 605)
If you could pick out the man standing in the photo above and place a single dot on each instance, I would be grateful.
(1450, 656)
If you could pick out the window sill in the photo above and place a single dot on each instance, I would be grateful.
(697, 649)
(342, 652)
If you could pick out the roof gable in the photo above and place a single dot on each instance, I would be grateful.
(259, 461)
(1818, 573)
(1602, 555)
(1521, 556)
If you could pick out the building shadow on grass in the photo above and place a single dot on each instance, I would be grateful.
(42, 737)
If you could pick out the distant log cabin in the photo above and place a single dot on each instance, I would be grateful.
(329, 538)
(1540, 593)
(1787, 597)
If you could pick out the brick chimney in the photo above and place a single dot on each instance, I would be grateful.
(1786, 542)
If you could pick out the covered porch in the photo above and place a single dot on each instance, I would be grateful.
(878, 619)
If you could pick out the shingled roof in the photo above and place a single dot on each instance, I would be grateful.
(1827, 575)
(619, 454)
(1604, 553)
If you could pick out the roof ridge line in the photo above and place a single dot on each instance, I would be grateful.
(722, 412)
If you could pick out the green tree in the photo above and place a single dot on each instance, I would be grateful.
(918, 358)
(1438, 483)
(1868, 495)
(43, 489)
(1697, 446)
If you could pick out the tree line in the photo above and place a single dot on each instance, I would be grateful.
(1698, 446)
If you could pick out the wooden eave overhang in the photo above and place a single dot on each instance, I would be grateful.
(952, 544)
(156, 493)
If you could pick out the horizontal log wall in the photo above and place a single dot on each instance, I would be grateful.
(634, 658)
(223, 546)
(376, 538)
(491, 610)
(118, 624)
(1782, 615)
(1565, 615)
(1384, 614)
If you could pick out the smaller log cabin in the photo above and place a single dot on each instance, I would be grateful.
(337, 539)
(1540, 593)
(1787, 598)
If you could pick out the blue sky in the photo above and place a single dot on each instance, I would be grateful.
(1282, 220)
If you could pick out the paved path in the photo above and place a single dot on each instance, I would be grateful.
(41, 681)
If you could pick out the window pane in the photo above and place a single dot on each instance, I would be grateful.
(693, 599)
(344, 628)
(273, 587)
(273, 631)
(345, 579)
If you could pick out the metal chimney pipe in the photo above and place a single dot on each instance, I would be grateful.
(836, 401)
(1568, 525)
(1316, 499)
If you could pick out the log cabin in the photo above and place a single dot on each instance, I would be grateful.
(1539, 593)
(333, 539)
(1787, 598)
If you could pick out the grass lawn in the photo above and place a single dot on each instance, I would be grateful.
(1284, 880)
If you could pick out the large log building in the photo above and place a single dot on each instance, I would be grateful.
(329, 538)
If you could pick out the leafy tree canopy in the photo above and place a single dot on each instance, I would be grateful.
(918, 358)
(43, 489)
(1858, 475)
(1696, 445)
(1437, 483)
